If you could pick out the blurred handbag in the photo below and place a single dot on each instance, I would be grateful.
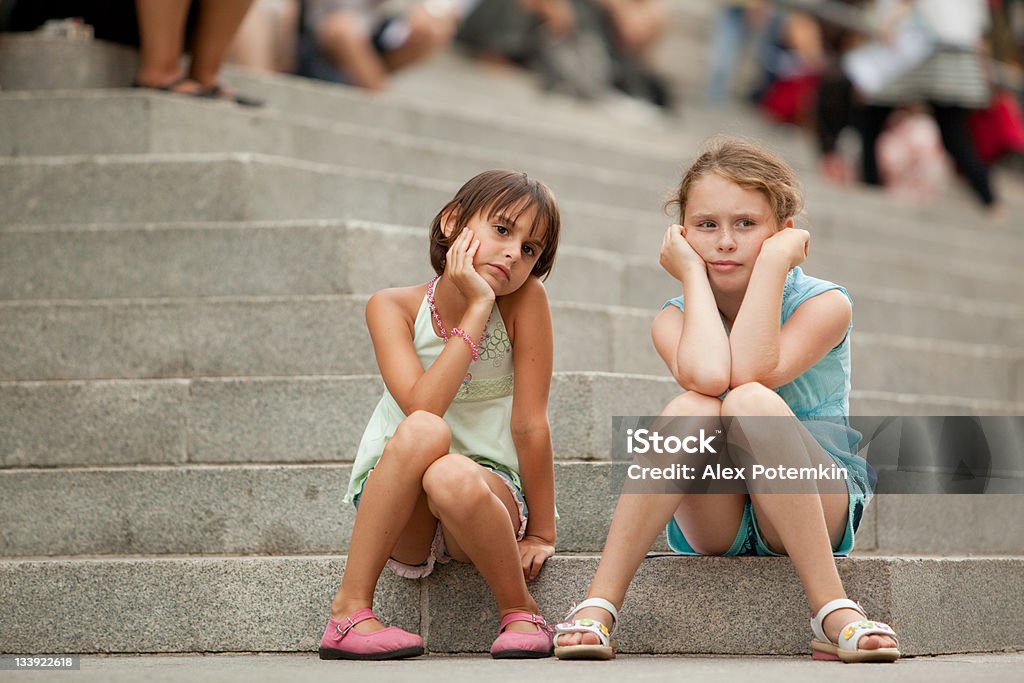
(998, 129)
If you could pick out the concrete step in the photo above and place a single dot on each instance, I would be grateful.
(31, 63)
(135, 122)
(289, 420)
(314, 257)
(324, 335)
(678, 605)
(268, 419)
(238, 187)
(281, 509)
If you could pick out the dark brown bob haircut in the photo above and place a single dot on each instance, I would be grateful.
(500, 193)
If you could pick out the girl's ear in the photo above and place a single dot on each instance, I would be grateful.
(448, 220)
(789, 223)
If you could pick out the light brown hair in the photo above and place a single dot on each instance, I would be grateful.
(499, 193)
(749, 165)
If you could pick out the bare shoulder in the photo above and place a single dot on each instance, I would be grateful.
(832, 301)
(528, 304)
(396, 302)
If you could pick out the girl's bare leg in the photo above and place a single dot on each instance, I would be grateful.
(341, 37)
(392, 508)
(639, 518)
(218, 23)
(480, 518)
(427, 35)
(805, 526)
(162, 35)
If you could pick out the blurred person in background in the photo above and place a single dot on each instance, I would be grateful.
(162, 25)
(951, 79)
(737, 23)
(792, 56)
(362, 42)
(583, 48)
(164, 30)
(268, 38)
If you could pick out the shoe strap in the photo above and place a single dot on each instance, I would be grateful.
(535, 619)
(596, 602)
(827, 609)
(850, 635)
(348, 623)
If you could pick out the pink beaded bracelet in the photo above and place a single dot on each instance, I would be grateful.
(459, 332)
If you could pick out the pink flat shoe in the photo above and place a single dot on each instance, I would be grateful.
(342, 641)
(522, 645)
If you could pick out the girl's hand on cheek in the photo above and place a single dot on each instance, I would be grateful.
(789, 245)
(677, 255)
(459, 267)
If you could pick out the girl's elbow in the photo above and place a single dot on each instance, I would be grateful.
(534, 429)
(707, 383)
(713, 387)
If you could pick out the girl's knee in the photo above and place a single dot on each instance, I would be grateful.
(693, 403)
(425, 432)
(453, 482)
(752, 399)
(340, 28)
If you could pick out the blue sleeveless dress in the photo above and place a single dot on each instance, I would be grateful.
(820, 398)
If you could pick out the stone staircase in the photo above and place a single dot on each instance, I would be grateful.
(184, 371)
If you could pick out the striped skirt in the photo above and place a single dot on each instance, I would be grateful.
(950, 77)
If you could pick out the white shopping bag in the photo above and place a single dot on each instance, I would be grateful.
(873, 66)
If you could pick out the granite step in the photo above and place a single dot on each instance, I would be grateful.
(134, 122)
(243, 187)
(324, 335)
(676, 605)
(316, 258)
(292, 420)
(282, 509)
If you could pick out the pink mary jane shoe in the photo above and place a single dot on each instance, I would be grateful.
(342, 641)
(522, 645)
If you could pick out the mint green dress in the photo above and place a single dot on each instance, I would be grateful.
(479, 417)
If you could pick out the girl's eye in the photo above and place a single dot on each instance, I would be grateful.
(528, 249)
(706, 225)
(746, 223)
(502, 230)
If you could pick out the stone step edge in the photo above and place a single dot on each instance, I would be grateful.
(890, 587)
(903, 342)
(584, 555)
(863, 394)
(999, 275)
(108, 50)
(276, 161)
(325, 125)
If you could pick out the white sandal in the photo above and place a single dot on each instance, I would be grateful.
(606, 649)
(846, 649)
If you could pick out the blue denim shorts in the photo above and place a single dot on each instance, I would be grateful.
(749, 541)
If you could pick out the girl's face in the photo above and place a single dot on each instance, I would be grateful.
(507, 252)
(726, 225)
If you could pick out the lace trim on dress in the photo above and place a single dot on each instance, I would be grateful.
(485, 389)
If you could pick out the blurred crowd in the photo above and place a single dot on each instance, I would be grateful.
(582, 47)
(901, 93)
(925, 88)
